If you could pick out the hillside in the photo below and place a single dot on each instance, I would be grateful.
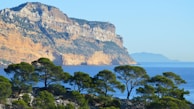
(33, 30)
(150, 57)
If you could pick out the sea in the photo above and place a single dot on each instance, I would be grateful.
(184, 69)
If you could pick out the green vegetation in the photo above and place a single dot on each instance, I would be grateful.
(131, 76)
(81, 80)
(44, 100)
(20, 104)
(5, 89)
(23, 77)
(158, 92)
(162, 92)
(48, 72)
(57, 89)
(106, 81)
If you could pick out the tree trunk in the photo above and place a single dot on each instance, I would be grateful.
(129, 92)
(106, 92)
(45, 82)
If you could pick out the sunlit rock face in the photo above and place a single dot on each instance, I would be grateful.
(33, 30)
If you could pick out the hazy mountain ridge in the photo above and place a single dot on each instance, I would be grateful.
(33, 30)
(150, 57)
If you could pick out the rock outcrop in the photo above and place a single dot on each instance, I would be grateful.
(33, 30)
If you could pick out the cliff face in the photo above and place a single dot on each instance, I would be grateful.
(34, 30)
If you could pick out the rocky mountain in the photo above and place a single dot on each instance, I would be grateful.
(150, 57)
(33, 30)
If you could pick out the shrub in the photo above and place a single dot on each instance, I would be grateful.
(5, 89)
(69, 106)
(20, 104)
(26, 98)
(57, 89)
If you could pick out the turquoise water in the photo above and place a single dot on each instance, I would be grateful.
(185, 70)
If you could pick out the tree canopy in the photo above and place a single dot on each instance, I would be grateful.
(44, 100)
(23, 76)
(162, 91)
(81, 80)
(5, 88)
(48, 72)
(106, 81)
(131, 76)
(157, 92)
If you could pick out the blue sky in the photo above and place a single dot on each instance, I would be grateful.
(158, 26)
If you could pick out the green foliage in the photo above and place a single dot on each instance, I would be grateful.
(161, 84)
(158, 92)
(48, 72)
(60, 107)
(26, 98)
(81, 100)
(44, 100)
(108, 102)
(160, 80)
(69, 106)
(111, 107)
(81, 80)
(131, 76)
(5, 88)
(20, 104)
(147, 93)
(167, 85)
(162, 92)
(148, 90)
(116, 103)
(178, 93)
(23, 76)
(106, 82)
(57, 89)
(104, 102)
(167, 102)
(177, 80)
